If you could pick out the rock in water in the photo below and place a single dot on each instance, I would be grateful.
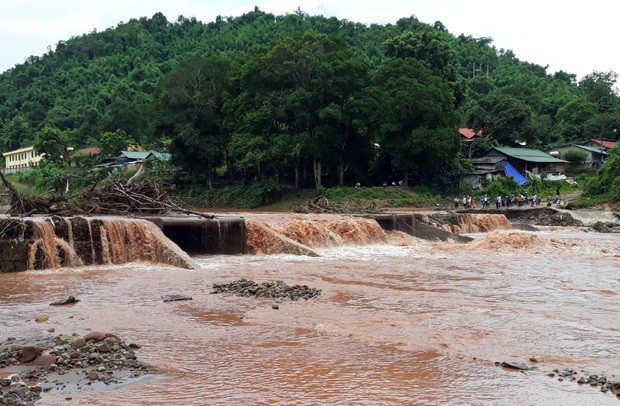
(515, 365)
(174, 298)
(94, 335)
(65, 301)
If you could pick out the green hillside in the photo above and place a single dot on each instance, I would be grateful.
(261, 95)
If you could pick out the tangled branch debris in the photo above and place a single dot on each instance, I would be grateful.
(114, 198)
(321, 204)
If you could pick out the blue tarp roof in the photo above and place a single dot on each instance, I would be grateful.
(509, 170)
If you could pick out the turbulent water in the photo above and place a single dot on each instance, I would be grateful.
(119, 240)
(400, 320)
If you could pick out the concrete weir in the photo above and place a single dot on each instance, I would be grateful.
(412, 225)
(200, 236)
(56, 242)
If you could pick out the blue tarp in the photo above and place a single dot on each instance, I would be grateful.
(509, 170)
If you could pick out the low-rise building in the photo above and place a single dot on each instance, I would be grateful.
(530, 160)
(132, 160)
(601, 144)
(21, 159)
(469, 135)
(594, 157)
(485, 169)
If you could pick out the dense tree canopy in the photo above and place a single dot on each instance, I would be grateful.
(288, 96)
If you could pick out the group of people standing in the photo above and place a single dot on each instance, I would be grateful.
(519, 200)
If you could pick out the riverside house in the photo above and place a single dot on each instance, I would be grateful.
(594, 157)
(530, 160)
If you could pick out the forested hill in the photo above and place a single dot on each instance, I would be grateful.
(106, 81)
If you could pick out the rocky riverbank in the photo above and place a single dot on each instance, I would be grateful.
(66, 363)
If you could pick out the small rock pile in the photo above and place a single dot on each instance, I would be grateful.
(94, 357)
(277, 290)
(592, 380)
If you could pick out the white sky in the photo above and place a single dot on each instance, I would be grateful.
(574, 36)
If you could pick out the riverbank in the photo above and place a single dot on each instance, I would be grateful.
(65, 363)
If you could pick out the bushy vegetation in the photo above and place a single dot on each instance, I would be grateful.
(506, 186)
(240, 196)
(574, 156)
(607, 182)
(304, 100)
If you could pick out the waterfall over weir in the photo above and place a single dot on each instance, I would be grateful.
(67, 242)
(55, 242)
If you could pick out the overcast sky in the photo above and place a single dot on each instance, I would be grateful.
(574, 36)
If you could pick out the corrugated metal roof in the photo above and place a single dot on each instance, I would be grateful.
(592, 149)
(135, 154)
(487, 160)
(606, 144)
(529, 155)
(162, 156)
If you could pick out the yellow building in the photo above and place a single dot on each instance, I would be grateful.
(21, 159)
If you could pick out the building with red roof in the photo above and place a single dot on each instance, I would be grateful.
(468, 134)
(602, 144)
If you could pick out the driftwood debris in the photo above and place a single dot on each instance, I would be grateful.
(321, 204)
(117, 197)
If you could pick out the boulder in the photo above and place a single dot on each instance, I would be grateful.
(45, 360)
(94, 335)
(29, 354)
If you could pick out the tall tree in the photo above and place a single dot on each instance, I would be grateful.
(417, 118)
(189, 107)
(504, 118)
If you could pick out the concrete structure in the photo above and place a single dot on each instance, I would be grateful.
(594, 156)
(529, 160)
(21, 159)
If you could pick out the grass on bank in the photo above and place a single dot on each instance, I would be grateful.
(268, 195)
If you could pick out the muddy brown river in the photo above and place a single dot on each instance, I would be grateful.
(402, 322)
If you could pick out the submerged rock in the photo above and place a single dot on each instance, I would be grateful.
(41, 318)
(174, 298)
(515, 365)
(65, 301)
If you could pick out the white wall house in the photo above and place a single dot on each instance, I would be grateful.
(21, 159)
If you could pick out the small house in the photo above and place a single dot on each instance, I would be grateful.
(594, 157)
(132, 160)
(604, 145)
(526, 160)
(469, 135)
(485, 168)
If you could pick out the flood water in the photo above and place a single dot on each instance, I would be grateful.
(417, 323)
